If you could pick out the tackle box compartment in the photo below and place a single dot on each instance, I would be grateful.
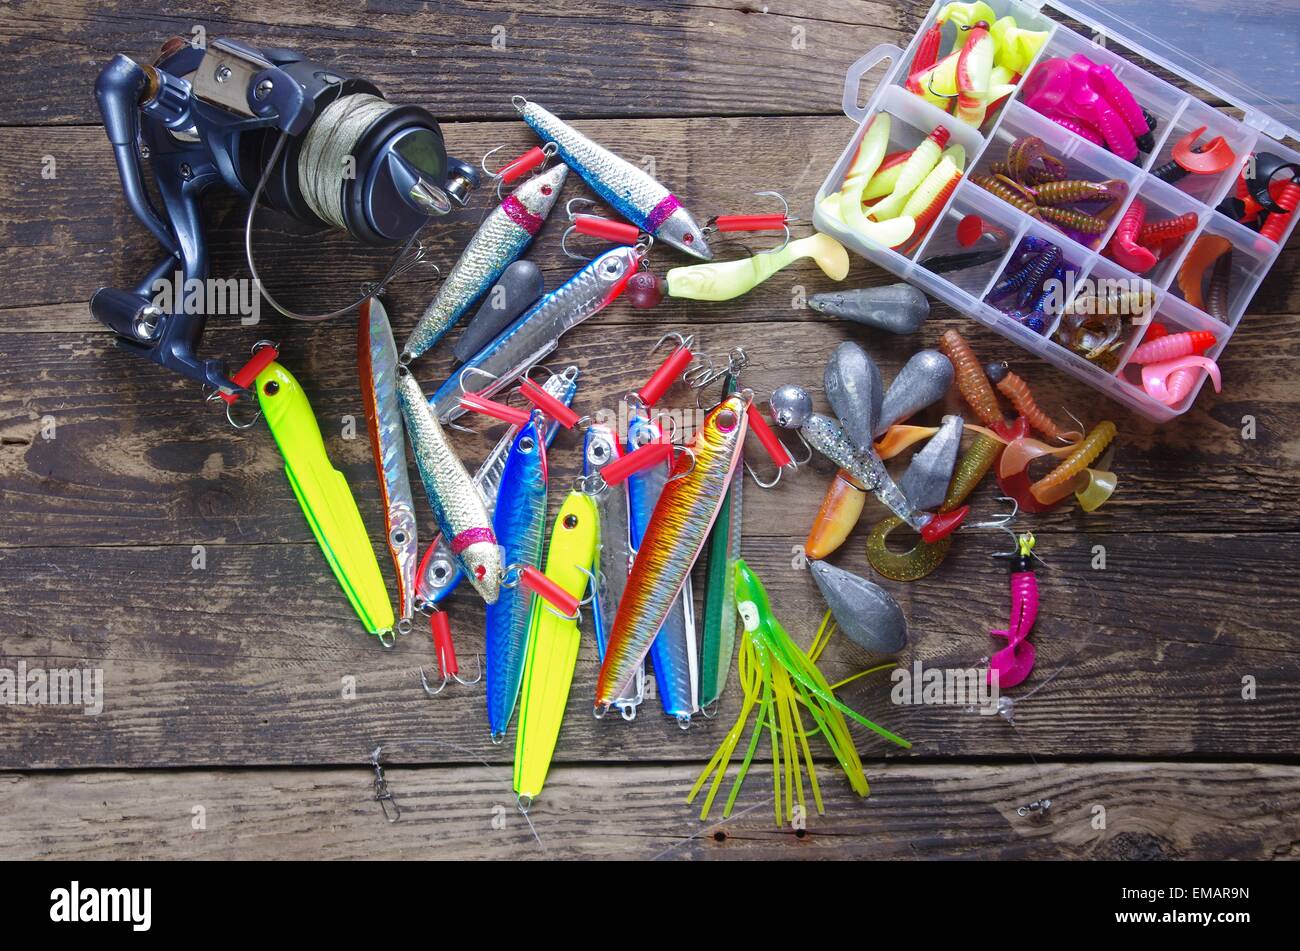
(1186, 51)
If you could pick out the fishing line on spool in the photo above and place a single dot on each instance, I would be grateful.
(322, 165)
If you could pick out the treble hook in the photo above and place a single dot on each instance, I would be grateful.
(730, 223)
(508, 173)
(449, 678)
(605, 229)
(687, 341)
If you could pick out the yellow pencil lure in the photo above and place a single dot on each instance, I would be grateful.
(325, 498)
(553, 645)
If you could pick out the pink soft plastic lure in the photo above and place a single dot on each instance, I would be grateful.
(1013, 663)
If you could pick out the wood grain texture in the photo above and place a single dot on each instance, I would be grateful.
(1151, 811)
(225, 685)
(716, 57)
(247, 661)
(62, 238)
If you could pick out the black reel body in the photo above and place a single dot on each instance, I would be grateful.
(234, 117)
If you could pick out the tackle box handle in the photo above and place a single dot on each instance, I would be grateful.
(853, 79)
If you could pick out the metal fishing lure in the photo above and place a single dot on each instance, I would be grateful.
(325, 498)
(520, 526)
(673, 541)
(439, 572)
(377, 362)
(530, 338)
(457, 505)
(500, 240)
(674, 653)
(613, 553)
(624, 187)
(553, 641)
(718, 644)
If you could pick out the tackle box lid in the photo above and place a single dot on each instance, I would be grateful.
(1245, 53)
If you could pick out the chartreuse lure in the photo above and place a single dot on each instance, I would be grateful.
(325, 498)
(553, 645)
(779, 678)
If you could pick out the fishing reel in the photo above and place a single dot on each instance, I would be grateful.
(324, 148)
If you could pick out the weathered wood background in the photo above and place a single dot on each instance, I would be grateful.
(223, 686)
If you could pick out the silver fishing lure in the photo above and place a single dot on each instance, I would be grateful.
(613, 553)
(457, 505)
(500, 240)
(439, 571)
(627, 189)
(530, 338)
(377, 362)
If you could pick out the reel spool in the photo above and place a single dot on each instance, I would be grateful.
(324, 148)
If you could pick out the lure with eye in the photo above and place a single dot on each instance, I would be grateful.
(780, 681)
(456, 502)
(439, 573)
(674, 652)
(685, 512)
(504, 235)
(325, 498)
(601, 446)
(534, 335)
(519, 524)
(553, 642)
(377, 362)
(623, 186)
(718, 643)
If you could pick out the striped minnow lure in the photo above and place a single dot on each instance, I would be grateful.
(682, 518)
(377, 362)
(499, 241)
(624, 187)
(520, 526)
(614, 553)
(553, 641)
(718, 643)
(440, 573)
(674, 654)
(538, 332)
(456, 502)
(325, 498)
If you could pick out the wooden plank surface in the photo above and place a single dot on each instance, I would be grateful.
(225, 685)
(1133, 811)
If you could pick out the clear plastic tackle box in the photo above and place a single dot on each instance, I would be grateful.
(1244, 58)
